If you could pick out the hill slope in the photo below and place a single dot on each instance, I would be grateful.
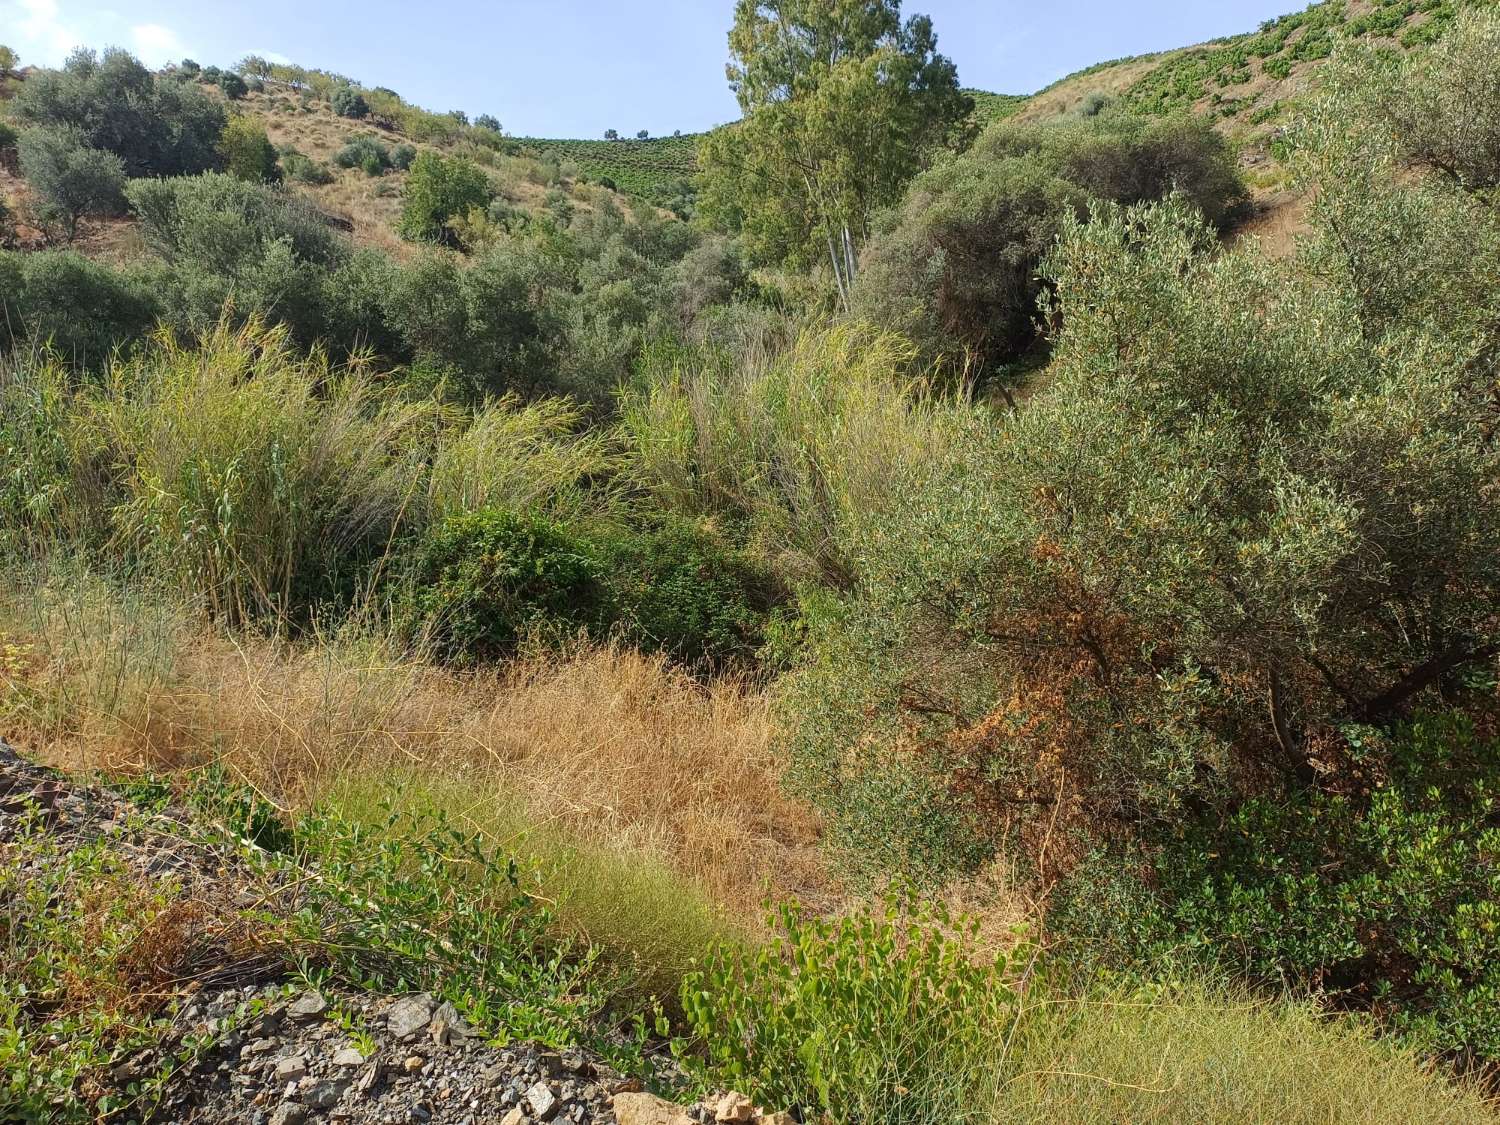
(1245, 83)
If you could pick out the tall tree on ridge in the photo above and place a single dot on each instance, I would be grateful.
(843, 104)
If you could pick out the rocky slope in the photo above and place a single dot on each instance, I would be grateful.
(246, 1043)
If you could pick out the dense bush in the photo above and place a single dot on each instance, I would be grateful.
(438, 190)
(70, 179)
(957, 267)
(349, 102)
(680, 591)
(250, 244)
(478, 584)
(402, 156)
(1390, 899)
(304, 169)
(1196, 587)
(157, 127)
(233, 85)
(365, 153)
(874, 1017)
(83, 309)
(248, 152)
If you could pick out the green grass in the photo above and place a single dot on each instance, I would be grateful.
(646, 922)
(1196, 1053)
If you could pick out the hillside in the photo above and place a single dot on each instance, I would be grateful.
(1247, 82)
(920, 633)
(657, 169)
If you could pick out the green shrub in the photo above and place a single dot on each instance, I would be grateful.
(248, 152)
(1390, 900)
(349, 102)
(233, 85)
(365, 153)
(476, 585)
(81, 308)
(158, 127)
(305, 170)
(874, 1017)
(402, 156)
(958, 267)
(680, 591)
(70, 179)
(260, 251)
(438, 190)
(415, 903)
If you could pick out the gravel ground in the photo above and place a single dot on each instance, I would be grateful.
(277, 1055)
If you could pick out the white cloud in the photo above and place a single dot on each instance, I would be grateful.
(40, 34)
(43, 34)
(157, 45)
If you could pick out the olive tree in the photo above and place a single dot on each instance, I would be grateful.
(70, 179)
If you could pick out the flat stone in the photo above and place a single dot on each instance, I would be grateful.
(542, 1100)
(260, 1047)
(733, 1108)
(367, 1078)
(413, 1064)
(514, 1117)
(637, 1108)
(326, 1095)
(288, 1113)
(348, 1057)
(289, 1070)
(409, 1016)
(309, 1006)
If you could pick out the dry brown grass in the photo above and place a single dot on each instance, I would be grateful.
(605, 743)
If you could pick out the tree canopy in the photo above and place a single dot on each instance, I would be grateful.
(843, 104)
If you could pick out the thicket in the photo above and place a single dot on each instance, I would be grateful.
(156, 126)
(1189, 597)
(1200, 638)
(956, 267)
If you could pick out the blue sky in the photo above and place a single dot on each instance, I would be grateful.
(574, 68)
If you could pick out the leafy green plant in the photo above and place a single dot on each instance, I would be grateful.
(365, 153)
(248, 152)
(882, 1016)
(1391, 899)
(417, 904)
(349, 102)
(680, 590)
(70, 179)
(438, 190)
(477, 584)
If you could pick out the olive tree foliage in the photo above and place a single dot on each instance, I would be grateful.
(239, 243)
(956, 266)
(1437, 105)
(843, 103)
(157, 127)
(1249, 524)
(438, 190)
(70, 179)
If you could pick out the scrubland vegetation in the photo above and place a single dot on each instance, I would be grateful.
(946, 635)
